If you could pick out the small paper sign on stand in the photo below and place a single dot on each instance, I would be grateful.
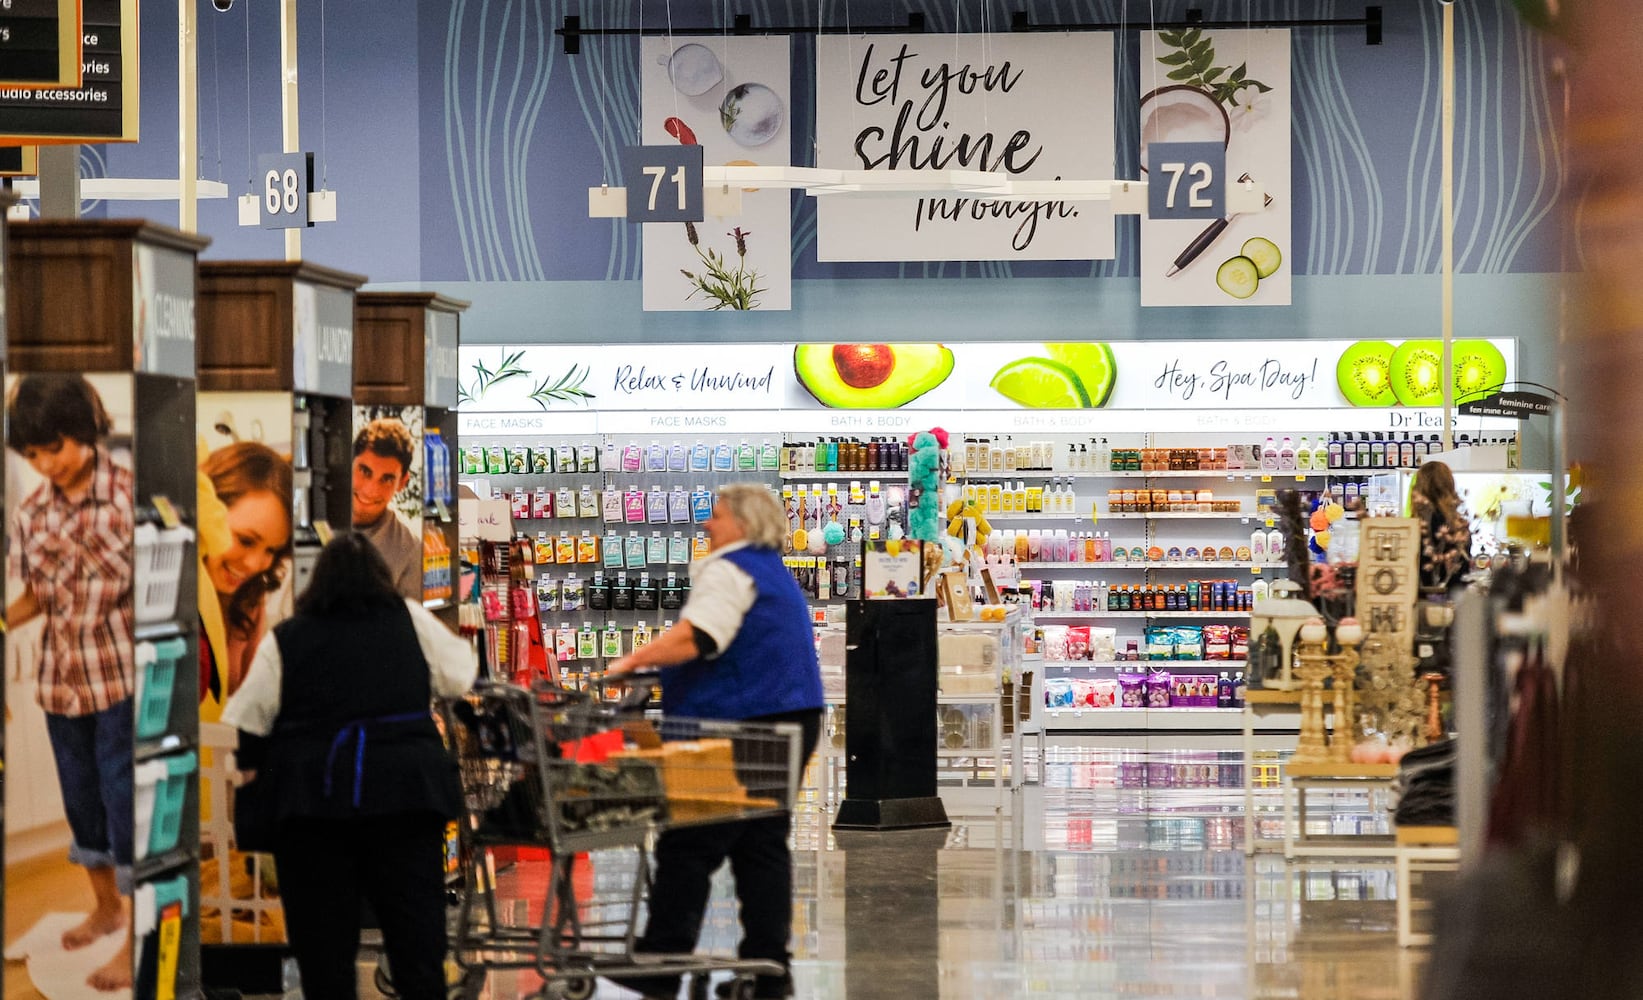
(954, 590)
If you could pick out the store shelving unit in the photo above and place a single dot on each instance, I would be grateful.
(276, 366)
(405, 355)
(115, 301)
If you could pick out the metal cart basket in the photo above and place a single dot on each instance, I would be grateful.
(556, 769)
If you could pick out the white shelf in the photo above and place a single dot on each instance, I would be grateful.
(1215, 719)
(1144, 664)
(1001, 516)
(1126, 564)
(1193, 515)
(990, 475)
(1081, 615)
(968, 699)
(805, 475)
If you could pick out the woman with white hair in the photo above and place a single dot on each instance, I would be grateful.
(742, 649)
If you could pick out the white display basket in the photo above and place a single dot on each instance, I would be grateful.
(160, 554)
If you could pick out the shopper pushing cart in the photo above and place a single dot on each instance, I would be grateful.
(742, 650)
(594, 784)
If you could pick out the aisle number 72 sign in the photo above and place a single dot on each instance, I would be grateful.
(1186, 180)
(664, 183)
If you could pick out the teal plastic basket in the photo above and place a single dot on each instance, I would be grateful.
(157, 666)
(166, 780)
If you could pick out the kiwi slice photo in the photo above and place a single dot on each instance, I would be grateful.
(1479, 369)
(1364, 373)
(1417, 373)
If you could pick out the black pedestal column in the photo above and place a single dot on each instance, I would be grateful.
(890, 717)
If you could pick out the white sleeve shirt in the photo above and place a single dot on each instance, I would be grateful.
(721, 594)
(452, 667)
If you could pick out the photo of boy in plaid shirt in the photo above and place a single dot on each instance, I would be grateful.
(71, 546)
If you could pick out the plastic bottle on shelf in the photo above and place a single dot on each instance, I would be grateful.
(1103, 457)
(1269, 456)
(1275, 546)
(1364, 451)
(1286, 455)
(1257, 546)
(1303, 455)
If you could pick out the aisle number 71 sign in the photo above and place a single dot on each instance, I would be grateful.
(664, 183)
(1186, 180)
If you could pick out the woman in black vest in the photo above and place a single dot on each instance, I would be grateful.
(334, 715)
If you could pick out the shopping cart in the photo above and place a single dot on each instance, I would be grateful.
(558, 769)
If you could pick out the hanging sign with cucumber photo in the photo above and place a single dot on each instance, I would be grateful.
(1217, 229)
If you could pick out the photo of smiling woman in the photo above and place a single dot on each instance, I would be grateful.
(244, 554)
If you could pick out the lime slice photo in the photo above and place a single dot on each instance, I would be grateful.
(1041, 384)
(1092, 362)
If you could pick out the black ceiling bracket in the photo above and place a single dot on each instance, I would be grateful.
(573, 32)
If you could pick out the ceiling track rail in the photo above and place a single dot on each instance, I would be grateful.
(572, 31)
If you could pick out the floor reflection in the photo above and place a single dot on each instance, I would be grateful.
(1120, 876)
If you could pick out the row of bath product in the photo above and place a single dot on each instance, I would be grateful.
(1074, 547)
(617, 592)
(614, 551)
(586, 457)
(613, 505)
(843, 455)
(569, 643)
(1078, 596)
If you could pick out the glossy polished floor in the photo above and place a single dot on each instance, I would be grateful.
(1121, 875)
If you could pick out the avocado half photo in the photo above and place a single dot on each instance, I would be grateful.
(870, 376)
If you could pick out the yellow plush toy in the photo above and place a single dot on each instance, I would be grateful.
(957, 511)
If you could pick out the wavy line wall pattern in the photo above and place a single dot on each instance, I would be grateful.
(519, 130)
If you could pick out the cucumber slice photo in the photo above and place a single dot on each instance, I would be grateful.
(1264, 253)
(1238, 277)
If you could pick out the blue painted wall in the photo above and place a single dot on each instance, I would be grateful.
(461, 139)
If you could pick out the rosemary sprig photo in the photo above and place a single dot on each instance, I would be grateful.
(566, 389)
(485, 379)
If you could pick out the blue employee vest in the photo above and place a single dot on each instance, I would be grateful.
(768, 668)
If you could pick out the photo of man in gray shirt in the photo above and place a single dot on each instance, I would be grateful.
(382, 467)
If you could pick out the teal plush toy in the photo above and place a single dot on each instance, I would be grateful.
(923, 474)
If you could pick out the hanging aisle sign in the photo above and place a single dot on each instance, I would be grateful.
(40, 43)
(1033, 106)
(1226, 89)
(728, 101)
(103, 108)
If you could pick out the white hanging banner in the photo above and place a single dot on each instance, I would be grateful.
(1033, 106)
(1230, 88)
(731, 96)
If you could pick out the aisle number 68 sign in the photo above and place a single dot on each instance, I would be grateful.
(664, 183)
(1186, 180)
(283, 183)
